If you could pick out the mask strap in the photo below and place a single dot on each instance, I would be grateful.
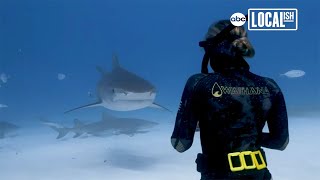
(205, 62)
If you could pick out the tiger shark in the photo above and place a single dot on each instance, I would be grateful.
(109, 125)
(121, 90)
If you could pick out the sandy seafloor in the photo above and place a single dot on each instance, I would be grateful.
(35, 154)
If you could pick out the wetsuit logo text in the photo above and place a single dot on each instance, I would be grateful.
(218, 91)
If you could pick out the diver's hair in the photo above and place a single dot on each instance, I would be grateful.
(240, 43)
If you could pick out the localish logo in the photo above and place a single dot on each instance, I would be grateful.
(218, 91)
(273, 19)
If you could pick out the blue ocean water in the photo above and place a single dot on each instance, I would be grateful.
(157, 40)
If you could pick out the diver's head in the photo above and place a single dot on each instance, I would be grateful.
(235, 43)
(222, 46)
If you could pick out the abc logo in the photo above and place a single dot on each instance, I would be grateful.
(238, 19)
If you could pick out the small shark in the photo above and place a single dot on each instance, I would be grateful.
(109, 125)
(121, 90)
(6, 128)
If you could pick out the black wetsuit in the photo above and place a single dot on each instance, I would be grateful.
(231, 107)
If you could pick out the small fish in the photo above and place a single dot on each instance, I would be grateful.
(294, 73)
(4, 77)
(3, 106)
(61, 76)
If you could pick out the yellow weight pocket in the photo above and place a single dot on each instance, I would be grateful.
(248, 161)
(232, 158)
(260, 163)
(239, 161)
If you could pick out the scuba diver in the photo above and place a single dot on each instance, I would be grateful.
(231, 106)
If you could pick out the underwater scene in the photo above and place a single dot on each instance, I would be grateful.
(90, 90)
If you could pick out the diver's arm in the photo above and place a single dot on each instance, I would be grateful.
(278, 136)
(185, 125)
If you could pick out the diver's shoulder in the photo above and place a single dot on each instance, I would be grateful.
(259, 76)
(268, 81)
(193, 81)
(196, 77)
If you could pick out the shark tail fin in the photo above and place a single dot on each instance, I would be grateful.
(155, 105)
(62, 131)
(115, 61)
(85, 106)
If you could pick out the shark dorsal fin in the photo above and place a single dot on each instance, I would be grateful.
(115, 61)
(78, 123)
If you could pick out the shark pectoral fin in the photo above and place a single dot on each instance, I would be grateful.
(85, 106)
(77, 135)
(155, 105)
